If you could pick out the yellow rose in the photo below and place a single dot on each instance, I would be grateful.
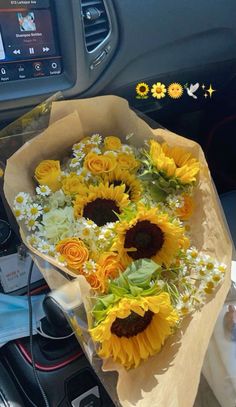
(48, 173)
(112, 143)
(98, 164)
(74, 251)
(73, 185)
(127, 162)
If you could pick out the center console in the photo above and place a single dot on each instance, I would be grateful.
(48, 46)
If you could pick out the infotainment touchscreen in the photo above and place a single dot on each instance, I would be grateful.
(28, 40)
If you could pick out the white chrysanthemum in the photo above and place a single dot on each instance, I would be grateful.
(32, 224)
(58, 224)
(19, 213)
(89, 267)
(22, 199)
(34, 211)
(43, 190)
(58, 200)
(96, 138)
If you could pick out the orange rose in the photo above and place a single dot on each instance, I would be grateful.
(110, 264)
(74, 252)
(186, 211)
(98, 164)
(48, 173)
(96, 281)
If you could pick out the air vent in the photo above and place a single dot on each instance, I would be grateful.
(96, 23)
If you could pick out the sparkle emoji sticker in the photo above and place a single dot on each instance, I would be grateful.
(175, 90)
(210, 90)
(142, 90)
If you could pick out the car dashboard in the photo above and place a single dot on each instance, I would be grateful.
(90, 47)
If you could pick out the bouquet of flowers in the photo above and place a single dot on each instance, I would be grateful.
(124, 215)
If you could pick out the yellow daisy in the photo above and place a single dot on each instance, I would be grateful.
(158, 90)
(142, 89)
(135, 328)
(101, 203)
(150, 234)
(132, 185)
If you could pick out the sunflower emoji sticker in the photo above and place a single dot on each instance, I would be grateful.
(175, 90)
(142, 90)
(158, 90)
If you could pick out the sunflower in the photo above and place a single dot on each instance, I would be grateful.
(187, 166)
(101, 203)
(150, 234)
(135, 328)
(158, 90)
(142, 89)
(132, 185)
(175, 162)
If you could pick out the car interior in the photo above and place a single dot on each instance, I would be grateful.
(68, 49)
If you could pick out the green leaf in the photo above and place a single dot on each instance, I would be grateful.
(156, 193)
(118, 291)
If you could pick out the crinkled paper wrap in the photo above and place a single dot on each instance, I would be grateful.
(170, 378)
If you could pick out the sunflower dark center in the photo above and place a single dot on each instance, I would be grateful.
(118, 183)
(101, 211)
(146, 237)
(132, 325)
(142, 88)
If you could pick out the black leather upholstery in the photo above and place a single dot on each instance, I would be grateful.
(9, 396)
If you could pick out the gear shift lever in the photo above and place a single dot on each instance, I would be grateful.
(56, 317)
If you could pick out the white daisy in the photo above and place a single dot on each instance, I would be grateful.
(43, 190)
(19, 213)
(60, 260)
(32, 224)
(21, 199)
(45, 247)
(89, 267)
(78, 146)
(34, 211)
(79, 155)
(96, 138)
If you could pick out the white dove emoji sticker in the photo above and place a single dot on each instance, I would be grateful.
(192, 89)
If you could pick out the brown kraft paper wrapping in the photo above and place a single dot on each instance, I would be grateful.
(170, 378)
